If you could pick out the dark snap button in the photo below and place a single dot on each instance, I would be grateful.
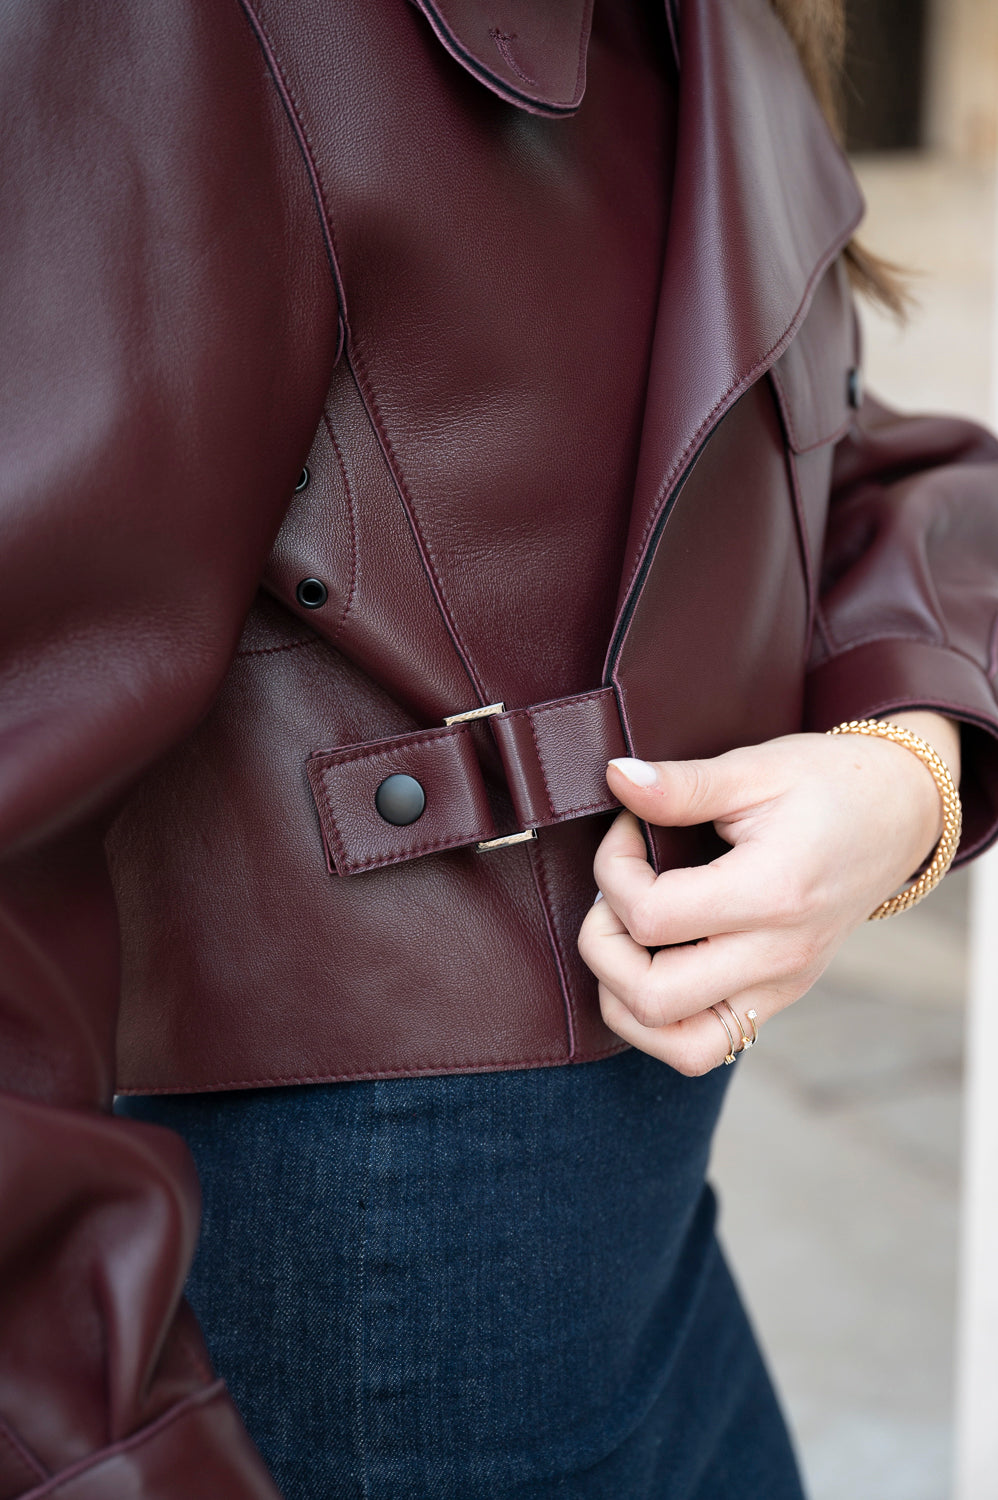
(400, 799)
(303, 479)
(854, 387)
(312, 593)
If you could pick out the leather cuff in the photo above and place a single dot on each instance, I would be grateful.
(893, 673)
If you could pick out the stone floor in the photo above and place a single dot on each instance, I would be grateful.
(837, 1161)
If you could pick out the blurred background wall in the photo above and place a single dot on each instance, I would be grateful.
(838, 1161)
(923, 73)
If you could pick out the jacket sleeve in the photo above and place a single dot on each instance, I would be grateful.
(167, 328)
(908, 606)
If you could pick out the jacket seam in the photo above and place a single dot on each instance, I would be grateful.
(914, 640)
(502, 41)
(128, 1444)
(889, 701)
(547, 1059)
(352, 514)
(557, 707)
(426, 552)
(566, 816)
(372, 748)
(795, 442)
(359, 867)
(810, 580)
(273, 650)
(536, 863)
(740, 382)
(23, 1454)
(540, 762)
(396, 856)
(293, 112)
(482, 73)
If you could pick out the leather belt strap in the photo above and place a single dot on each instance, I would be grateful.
(553, 754)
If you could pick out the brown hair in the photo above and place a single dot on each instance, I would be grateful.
(818, 30)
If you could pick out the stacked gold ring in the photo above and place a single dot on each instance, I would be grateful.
(746, 1040)
(730, 1054)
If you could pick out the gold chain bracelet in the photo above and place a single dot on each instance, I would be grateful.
(952, 811)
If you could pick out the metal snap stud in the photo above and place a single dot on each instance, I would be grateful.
(303, 479)
(400, 799)
(311, 593)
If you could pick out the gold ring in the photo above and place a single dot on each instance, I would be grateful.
(753, 1017)
(729, 1059)
(747, 1041)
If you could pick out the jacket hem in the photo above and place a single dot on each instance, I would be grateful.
(290, 1080)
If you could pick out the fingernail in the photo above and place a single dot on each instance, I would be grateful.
(597, 897)
(637, 771)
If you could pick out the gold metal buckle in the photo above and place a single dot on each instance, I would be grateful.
(476, 713)
(506, 839)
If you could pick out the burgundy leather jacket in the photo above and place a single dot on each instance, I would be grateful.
(366, 364)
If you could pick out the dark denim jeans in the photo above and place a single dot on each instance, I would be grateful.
(473, 1288)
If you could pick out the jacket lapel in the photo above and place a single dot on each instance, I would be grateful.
(763, 201)
(530, 54)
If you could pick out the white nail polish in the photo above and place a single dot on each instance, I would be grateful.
(637, 771)
(598, 897)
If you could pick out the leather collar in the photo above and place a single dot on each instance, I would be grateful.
(530, 54)
(763, 201)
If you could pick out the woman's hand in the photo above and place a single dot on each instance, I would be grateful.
(823, 829)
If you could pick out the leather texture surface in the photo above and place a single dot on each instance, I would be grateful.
(563, 338)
